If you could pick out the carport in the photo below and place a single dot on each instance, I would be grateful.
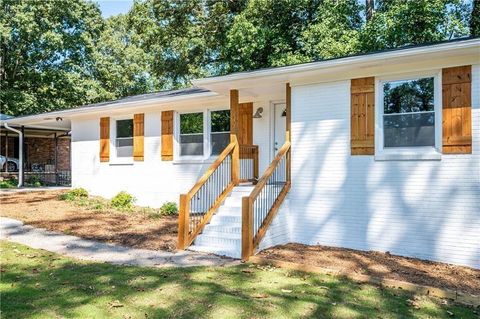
(35, 155)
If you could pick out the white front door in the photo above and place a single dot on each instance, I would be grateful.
(279, 126)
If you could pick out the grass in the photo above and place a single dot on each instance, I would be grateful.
(39, 284)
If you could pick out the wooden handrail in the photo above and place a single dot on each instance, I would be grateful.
(211, 169)
(186, 235)
(250, 240)
(269, 171)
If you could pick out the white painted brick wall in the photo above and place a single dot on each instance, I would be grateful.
(423, 209)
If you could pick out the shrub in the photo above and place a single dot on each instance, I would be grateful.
(74, 194)
(123, 201)
(169, 208)
(34, 181)
(9, 183)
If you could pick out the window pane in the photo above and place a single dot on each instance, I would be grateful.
(191, 144)
(408, 96)
(124, 147)
(219, 141)
(125, 128)
(191, 134)
(191, 123)
(220, 121)
(404, 130)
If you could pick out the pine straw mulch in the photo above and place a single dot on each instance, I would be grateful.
(44, 209)
(380, 265)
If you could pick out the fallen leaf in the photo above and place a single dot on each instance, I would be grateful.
(115, 304)
(286, 290)
(260, 296)
(451, 314)
(248, 271)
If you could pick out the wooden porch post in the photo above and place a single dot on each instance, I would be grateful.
(183, 222)
(234, 131)
(247, 229)
(288, 137)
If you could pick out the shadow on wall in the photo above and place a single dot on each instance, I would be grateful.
(424, 209)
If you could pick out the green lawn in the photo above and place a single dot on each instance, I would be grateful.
(39, 284)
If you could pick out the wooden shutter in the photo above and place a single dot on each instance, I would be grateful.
(138, 132)
(167, 135)
(457, 110)
(104, 139)
(362, 125)
(245, 119)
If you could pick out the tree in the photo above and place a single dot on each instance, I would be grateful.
(475, 19)
(397, 22)
(47, 55)
(267, 33)
(121, 65)
(185, 38)
(334, 32)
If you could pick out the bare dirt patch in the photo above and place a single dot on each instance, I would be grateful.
(380, 265)
(45, 210)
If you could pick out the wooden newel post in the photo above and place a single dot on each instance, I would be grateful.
(183, 219)
(235, 161)
(247, 231)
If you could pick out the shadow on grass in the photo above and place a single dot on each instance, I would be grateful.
(39, 284)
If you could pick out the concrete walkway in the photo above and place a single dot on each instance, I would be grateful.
(72, 246)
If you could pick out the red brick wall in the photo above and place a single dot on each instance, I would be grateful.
(41, 151)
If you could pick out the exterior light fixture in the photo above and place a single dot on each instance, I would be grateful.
(258, 113)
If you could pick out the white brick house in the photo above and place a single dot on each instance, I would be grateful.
(380, 152)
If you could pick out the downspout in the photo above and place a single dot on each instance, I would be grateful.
(20, 153)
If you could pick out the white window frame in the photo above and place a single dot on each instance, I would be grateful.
(114, 159)
(206, 143)
(414, 152)
(207, 127)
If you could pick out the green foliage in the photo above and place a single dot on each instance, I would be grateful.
(34, 181)
(169, 208)
(123, 201)
(398, 22)
(61, 53)
(74, 194)
(475, 19)
(9, 183)
(47, 55)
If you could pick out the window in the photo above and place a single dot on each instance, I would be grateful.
(124, 138)
(220, 130)
(409, 113)
(191, 134)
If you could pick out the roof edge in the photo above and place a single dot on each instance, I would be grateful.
(330, 63)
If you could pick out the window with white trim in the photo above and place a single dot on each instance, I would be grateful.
(201, 134)
(191, 134)
(409, 113)
(408, 116)
(124, 138)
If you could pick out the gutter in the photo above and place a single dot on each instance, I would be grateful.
(20, 153)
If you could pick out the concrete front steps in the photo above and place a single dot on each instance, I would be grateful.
(223, 235)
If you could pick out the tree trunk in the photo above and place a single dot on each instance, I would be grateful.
(369, 8)
(475, 19)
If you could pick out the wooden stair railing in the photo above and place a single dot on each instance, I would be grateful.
(259, 209)
(200, 203)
